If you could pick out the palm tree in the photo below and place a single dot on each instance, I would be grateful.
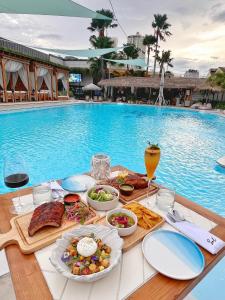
(130, 51)
(149, 41)
(165, 58)
(96, 69)
(101, 25)
(101, 42)
(161, 27)
(99, 66)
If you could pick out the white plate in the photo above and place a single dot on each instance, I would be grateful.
(78, 183)
(173, 254)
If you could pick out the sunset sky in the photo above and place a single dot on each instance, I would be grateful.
(198, 29)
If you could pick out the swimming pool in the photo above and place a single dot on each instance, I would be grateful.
(57, 142)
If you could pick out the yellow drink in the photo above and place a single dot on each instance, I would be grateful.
(152, 157)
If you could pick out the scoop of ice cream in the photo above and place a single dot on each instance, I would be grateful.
(86, 246)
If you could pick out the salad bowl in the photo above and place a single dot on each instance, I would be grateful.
(120, 213)
(103, 197)
(107, 235)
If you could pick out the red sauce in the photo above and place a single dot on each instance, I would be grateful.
(71, 198)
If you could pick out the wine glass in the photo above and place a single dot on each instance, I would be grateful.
(15, 176)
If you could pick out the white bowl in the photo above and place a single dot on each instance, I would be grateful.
(107, 205)
(123, 231)
(108, 236)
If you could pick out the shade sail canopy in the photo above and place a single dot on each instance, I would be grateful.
(91, 87)
(90, 53)
(132, 62)
(66, 8)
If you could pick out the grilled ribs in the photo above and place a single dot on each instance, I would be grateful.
(47, 214)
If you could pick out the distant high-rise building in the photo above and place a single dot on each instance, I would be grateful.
(137, 40)
(191, 74)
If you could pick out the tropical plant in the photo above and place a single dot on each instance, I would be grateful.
(102, 25)
(131, 52)
(165, 58)
(100, 43)
(149, 41)
(96, 69)
(98, 66)
(218, 79)
(161, 27)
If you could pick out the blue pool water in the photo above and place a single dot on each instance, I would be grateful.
(60, 141)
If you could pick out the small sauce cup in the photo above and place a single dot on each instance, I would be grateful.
(126, 189)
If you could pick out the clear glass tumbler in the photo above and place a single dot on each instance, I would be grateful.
(41, 194)
(165, 199)
(100, 166)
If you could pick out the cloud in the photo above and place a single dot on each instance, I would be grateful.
(216, 5)
(50, 36)
(218, 17)
(197, 40)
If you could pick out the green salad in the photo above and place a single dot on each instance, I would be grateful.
(101, 195)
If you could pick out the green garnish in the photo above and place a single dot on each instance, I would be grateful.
(153, 146)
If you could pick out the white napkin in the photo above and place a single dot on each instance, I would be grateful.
(202, 237)
(57, 190)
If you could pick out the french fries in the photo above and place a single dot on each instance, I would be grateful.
(146, 218)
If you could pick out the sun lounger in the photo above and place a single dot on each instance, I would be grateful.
(196, 105)
(187, 103)
(207, 106)
(10, 96)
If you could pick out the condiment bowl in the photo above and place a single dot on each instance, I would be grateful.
(126, 189)
(71, 199)
(104, 205)
(123, 231)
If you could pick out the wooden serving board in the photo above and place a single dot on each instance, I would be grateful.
(138, 194)
(44, 237)
(132, 240)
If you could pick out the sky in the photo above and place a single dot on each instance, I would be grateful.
(197, 27)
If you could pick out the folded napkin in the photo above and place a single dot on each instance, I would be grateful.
(57, 190)
(202, 237)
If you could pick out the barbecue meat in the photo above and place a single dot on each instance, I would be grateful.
(47, 214)
(137, 181)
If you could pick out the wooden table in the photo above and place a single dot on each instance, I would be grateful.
(29, 282)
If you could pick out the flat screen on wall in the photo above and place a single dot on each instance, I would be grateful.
(74, 78)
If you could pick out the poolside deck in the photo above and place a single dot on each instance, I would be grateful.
(33, 104)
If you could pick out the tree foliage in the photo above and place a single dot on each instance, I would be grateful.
(218, 79)
(165, 58)
(149, 41)
(102, 25)
(161, 28)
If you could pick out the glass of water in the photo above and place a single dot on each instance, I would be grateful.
(100, 166)
(41, 194)
(165, 199)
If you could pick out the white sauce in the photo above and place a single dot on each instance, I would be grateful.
(86, 246)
